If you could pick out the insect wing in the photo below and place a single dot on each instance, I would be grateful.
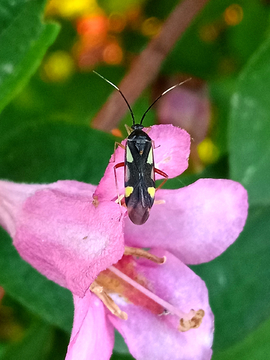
(138, 204)
(139, 181)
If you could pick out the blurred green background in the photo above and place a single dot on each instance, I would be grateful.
(48, 97)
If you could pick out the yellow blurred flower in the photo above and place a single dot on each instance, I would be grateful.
(58, 66)
(207, 151)
(71, 8)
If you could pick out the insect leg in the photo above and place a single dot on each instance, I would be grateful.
(115, 179)
(154, 146)
(161, 173)
(115, 146)
(129, 129)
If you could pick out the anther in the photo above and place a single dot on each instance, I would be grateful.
(95, 201)
(107, 301)
(159, 202)
(193, 323)
(144, 254)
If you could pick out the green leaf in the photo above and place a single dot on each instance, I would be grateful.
(34, 345)
(77, 100)
(221, 92)
(24, 40)
(8, 11)
(249, 144)
(239, 280)
(41, 296)
(120, 346)
(241, 39)
(117, 356)
(49, 152)
(256, 346)
(59, 346)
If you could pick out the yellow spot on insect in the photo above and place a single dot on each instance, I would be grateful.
(150, 157)
(128, 191)
(151, 191)
(129, 156)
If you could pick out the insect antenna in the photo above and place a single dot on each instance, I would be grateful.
(109, 82)
(164, 92)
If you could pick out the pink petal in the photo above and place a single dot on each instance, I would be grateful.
(196, 223)
(153, 337)
(12, 196)
(59, 231)
(172, 146)
(92, 335)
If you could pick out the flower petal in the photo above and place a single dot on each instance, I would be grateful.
(196, 223)
(59, 231)
(172, 146)
(153, 337)
(12, 196)
(92, 335)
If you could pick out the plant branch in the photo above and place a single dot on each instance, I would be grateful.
(146, 67)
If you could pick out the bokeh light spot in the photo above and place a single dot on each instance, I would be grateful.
(207, 151)
(58, 67)
(117, 22)
(233, 15)
(70, 8)
(209, 33)
(151, 26)
(112, 54)
(92, 26)
(117, 132)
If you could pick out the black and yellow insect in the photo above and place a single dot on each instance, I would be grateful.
(139, 167)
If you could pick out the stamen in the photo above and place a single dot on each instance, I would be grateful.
(107, 301)
(95, 201)
(144, 254)
(119, 199)
(172, 309)
(159, 202)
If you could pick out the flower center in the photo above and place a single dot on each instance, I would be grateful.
(136, 289)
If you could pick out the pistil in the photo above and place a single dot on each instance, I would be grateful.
(170, 308)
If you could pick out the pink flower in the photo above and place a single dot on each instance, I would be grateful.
(59, 231)
(73, 240)
(149, 332)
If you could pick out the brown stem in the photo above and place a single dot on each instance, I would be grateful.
(145, 68)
